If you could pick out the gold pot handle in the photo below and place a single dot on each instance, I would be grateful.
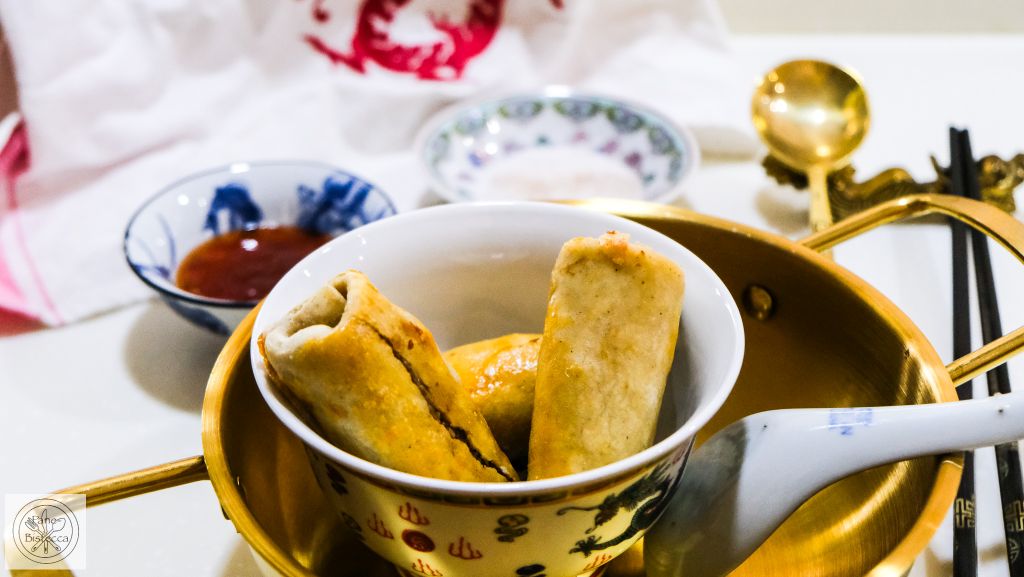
(996, 224)
(148, 480)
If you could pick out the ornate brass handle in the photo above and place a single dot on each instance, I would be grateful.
(997, 177)
(996, 224)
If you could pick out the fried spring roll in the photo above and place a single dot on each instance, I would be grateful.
(373, 379)
(609, 338)
(499, 375)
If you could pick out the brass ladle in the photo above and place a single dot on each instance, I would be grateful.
(812, 115)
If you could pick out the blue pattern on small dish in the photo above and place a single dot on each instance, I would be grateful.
(523, 110)
(232, 199)
(316, 197)
(469, 125)
(625, 121)
(460, 146)
(342, 204)
(578, 109)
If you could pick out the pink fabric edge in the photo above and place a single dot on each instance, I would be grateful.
(14, 160)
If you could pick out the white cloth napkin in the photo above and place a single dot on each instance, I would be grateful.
(121, 98)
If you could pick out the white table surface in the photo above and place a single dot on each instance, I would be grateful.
(124, 391)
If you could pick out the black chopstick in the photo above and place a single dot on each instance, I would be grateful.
(965, 544)
(1011, 488)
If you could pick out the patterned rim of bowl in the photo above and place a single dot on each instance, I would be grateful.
(170, 290)
(625, 116)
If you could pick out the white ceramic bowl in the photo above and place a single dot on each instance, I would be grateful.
(475, 271)
(319, 198)
(556, 145)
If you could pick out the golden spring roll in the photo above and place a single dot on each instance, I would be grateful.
(500, 374)
(373, 380)
(609, 338)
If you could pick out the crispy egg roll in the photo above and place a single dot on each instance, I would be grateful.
(499, 375)
(373, 380)
(609, 338)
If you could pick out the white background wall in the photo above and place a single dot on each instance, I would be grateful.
(874, 16)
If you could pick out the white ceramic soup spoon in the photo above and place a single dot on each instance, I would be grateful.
(772, 462)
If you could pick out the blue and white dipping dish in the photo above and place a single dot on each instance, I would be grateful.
(318, 198)
(556, 145)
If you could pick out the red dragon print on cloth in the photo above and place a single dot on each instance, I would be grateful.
(441, 60)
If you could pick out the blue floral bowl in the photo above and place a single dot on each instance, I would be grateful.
(318, 198)
(556, 145)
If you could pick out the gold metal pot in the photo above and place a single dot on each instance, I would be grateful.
(868, 353)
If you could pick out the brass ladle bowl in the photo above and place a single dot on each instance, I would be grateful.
(811, 115)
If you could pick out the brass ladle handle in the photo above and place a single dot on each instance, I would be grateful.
(821, 209)
(994, 223)
(142, 481)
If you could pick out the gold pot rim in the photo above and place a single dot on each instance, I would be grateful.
(234, 357)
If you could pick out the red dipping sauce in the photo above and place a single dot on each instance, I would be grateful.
(244, 265)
